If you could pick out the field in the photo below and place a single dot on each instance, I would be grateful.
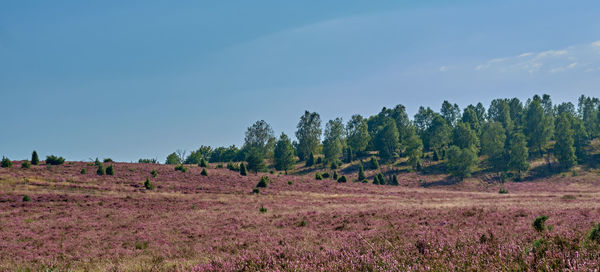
(190, 222)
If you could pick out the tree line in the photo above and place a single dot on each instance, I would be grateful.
(502, 138)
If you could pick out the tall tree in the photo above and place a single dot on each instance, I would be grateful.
(450, 112)
(35, 160)
(499, 111)
(517, 153)
(480, 111)
(204, 152)
(333, 143)
(255, 158)
(308, 134)
(563, 148)
(588, 110)
(461, 161)
(438, 135)
(386, 141)
(259, 136)
(173, 159)
(414, 149)
(357, 134)
(463, 136)
(470, 117)
(537, 126)
(284, 154)
(516, 112)
(580, 138)
(493, 139)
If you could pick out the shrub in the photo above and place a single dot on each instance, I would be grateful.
(148, 185)
(154, 173)
(53, 160)
(361, 172)
(233, 167)
(302, 223)
(335, 175)
(97, 162)
(181, 168)
(256, 191)
(334, 165)
(325, 175)
(242, 169)
(25, 165)
(220, 165)
(374, 164)
(100, 170)
(394, 180)
(35, 160)
(83, 171)
(6, 163)
(204, 173)
(262, 183)
(108, 160)
(311, 160)
(381, 178)
(594, 234)
(318, 176)
(110, 170)
(147, 161)
(26, 198)
(503, 191)
(262, 209)
(342, 179)
(319, 160)
(203, 163)
(538, 223)
(290, 183)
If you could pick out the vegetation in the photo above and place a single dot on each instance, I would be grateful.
(148, 185)
(147, 161)
(110, 170)
(204, 172)
(35, 160)
(284, 158)
(25, 164)
(242, 169)
(54, 160)
(5, 163)
(100, 171)
(263, 182)
(173, 159)
(181, 168)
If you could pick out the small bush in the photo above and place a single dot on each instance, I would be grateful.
(108, 160)
(365, 181)
(302, 223)
(334, 165)
(538, 223)
(290, 183)
(319, 160)
(6, 163)
(318, 176)
(204, 173)
(325, 175)
(256, 191)
(335, 175)
(25, 165)
(148, 185)
(594, 234)
(154, 173)
(262, 183)
(203, 163)
(342, 179)
(100, 170)
(361, 172)
(219, 166)
(147, 161)
(26, 198)
(97, 162)
(262, 209)
(83, 171)
(242, 169)
(110, 170)
(181, 168)
(35, 160)
(503, 191)
(53, 160)
(374, 164)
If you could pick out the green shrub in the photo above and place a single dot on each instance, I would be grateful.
(83, 171)
(53, 160)
(256, 191)
(154, 173)
(538, 223)
(181, 168)
(35, 160)
(311, 160)
(318, 176)
(361, 172)
(335, 175)
(374, 164)
(302, 223)
(5, 163)
(108, 160)
(319, 160)
(394, 180)
(147, 161)
(100, 170)
(242, 169)
(382, 180)
(110, 170)
(325, 175)
(262, 209)
(219, 166)
(342, 179)
(148, 185)
(203, 163)
(594, 234)
(25, 165)
(290, 183)
(97, 162)
(503, 191)
(26, 198)
(262, 183)
(204, 173)
(334, 165)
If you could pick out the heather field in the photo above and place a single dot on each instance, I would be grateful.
(190, 222)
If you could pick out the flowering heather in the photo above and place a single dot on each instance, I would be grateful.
(191, 222)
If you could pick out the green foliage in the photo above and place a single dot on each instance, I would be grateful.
(464, 136)
(357, 132)
(334, 165)
(255, 160)
(242, 169)
(262, 183)
(394, 180)
(499, 111)
(97, 162)
(225, 154)
(348, 155)
(262, 209)
(450, 112)
(100, 171)
(564, 149)
(461, 162)
(594, 234)
(310, 161)
(517, 153)
(580, 139)
(204, 172)
(470, 118)
(538, 126)
(414, 149)
(203, 163)
(438, 134)
(147, 161)
(35, 160)
(335, 175)
(386, 140)
(361, 173)
(255, 191)
(342, 179)
(308, 134)
(148, 185)
(503, 191)
(53, 160)
(154, 173)
(25, 164)
(259, 138)
(181, 168)
(325, 175)
(110, 170)
(318, 176)
(319, 160)
(26, 198)
(173, 159)
(196, 156)
(108, 160)
(538, 223)
(283, 155)
(333, 142)
(83, 171)
(493, 139)
(373, 163)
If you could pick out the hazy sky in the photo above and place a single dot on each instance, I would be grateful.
(133, 79)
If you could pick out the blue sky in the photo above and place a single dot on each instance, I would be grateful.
(133, 79)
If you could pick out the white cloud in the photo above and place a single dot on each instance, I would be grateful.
(443, 69)
(572, 65)
(596, 43)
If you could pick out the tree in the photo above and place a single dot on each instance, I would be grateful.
(470, 117)
(308, 134)
(461, 162)
(563, 148)
(588, 111)
(334, 141)
(35, 160)
(181, 155)
(537, 126)
(464, 136)
(414, 149)
(374, 164)
(259, 138)
(224, 154)
(451, 113)
(422, 121)
(54, 160)
(6, 162)
(499, 111)
(284, 154)
(361, 173)
(438, 135)
(173, 159)
(196, 156)
(517, 153)
(310, 161)
(516, 112)
(493, 141)
(386, 141)
(242, 169)
(580, 139)
(255, 159)
(357, 134)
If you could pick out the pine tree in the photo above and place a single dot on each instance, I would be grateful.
(374, 164)
(283, 154)
(517, 153)
(35, 160)
(461, 162)
(311, 160)
(100, 171)
(394, 180)
(148, 185)
(361, 173)
(203, 163)
(564, 149)
(493, 139)
(242, 169)
(386, 141)
(110, 170)
(204, 172)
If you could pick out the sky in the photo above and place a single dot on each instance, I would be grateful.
(140, 79)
